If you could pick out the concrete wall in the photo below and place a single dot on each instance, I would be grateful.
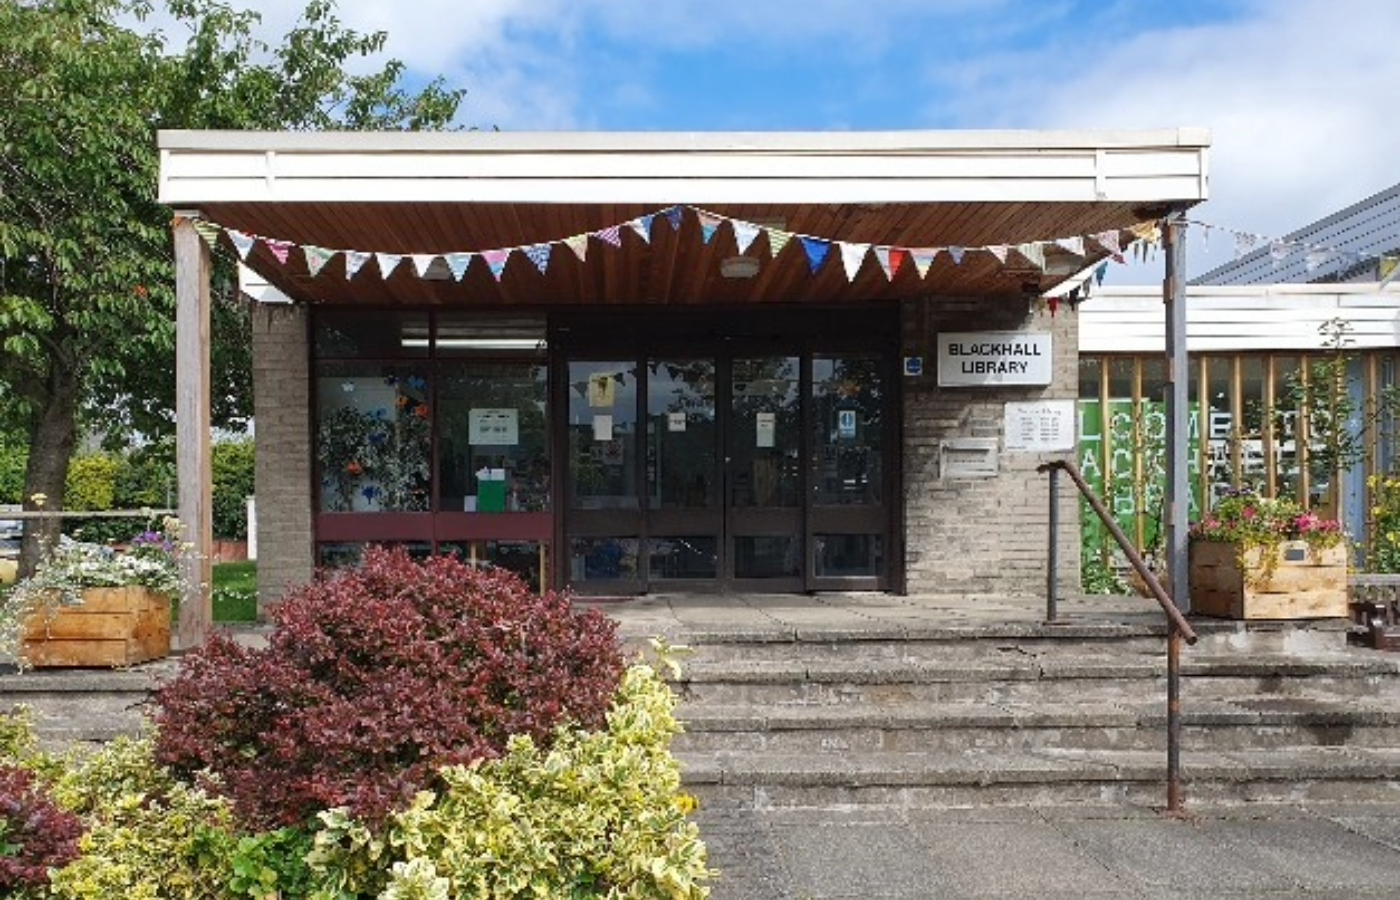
(283, 476)
(982, 535)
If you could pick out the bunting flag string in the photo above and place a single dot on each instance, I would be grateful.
(1280, 250)
(816, 248)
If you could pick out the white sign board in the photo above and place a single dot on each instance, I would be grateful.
(493, 427)
(991, 358)
(765, 428)
(1039, 426)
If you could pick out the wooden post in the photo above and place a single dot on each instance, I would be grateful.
(192, 430)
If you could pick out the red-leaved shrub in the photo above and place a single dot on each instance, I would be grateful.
(374, 678)
(35, 835)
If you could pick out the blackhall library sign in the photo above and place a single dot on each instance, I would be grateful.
(976, 358)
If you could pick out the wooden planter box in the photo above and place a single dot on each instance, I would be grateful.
(1302, 585)
(118, 626)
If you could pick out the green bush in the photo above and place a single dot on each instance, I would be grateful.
(13, 460)
(148, 836)
(233, 484)
(598, 814)
(92, 482)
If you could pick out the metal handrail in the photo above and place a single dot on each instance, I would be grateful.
(1177, 626)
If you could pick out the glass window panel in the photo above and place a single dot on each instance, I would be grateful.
(767, 556)
(1089, 370)
(373, 437)
(1286, 422)
(847, 429)
(1219, 427)
(524, 558)
(683, 557)
(1150, 482)
(603, 434)
(475, 334)
(344, 554)
(681, 458)
(493, 437)
(1253, 419)
(602, 558)
(848, 555)
(344, 334)
(765, 433)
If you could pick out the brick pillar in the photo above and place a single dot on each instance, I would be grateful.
(982, 535)
(282, 432)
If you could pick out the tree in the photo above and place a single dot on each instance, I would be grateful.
(86, 272)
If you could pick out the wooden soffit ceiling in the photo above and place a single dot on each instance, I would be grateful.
(473, 193)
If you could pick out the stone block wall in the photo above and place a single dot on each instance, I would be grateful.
(985, 536)
(282, 476)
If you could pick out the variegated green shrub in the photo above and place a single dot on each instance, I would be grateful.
(148, 836)
(598, 814)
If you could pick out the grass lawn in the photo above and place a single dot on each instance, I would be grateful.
(236, 592)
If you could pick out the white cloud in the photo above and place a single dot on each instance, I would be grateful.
(1298, 95)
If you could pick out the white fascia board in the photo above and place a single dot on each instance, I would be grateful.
(1280, 317)
(893, 167)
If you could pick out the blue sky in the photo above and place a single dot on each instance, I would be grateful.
(1298, 94)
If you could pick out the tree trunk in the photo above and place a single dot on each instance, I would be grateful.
(50, 450)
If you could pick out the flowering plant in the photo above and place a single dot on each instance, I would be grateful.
(1249, 521)
(152, 560)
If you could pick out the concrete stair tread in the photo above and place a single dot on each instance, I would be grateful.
(1240, 710)
(982, 767)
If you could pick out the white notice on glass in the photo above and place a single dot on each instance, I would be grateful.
(765, 428)
(1039, 426)
(675, 421)
(602, 427)
(499, 427)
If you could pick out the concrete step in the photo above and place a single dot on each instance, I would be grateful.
(1243, 722)
(80, 706)
(1012, 677)
(978, 777)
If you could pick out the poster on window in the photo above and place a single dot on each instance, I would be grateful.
(765, 424)
(602, 391)
(493, 427)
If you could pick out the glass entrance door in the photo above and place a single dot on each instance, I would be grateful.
(763, 474)
(751, 473)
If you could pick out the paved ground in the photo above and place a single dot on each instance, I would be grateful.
(1250, 852)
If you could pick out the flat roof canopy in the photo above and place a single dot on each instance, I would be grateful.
(475, 192)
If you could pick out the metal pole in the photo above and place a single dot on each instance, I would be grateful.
(1178, 412)
(1052, 556)
(1174, 798)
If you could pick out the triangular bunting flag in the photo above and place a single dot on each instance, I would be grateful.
(642, 226)
(241, 242)
(458, 263)
(1074, 245)
(279, 249)
(882, 256)
(708, 225)
(496, 260)
(1244, 243)
(612, 235)
(817, 250)
(923, 259)
(316, 259)
(579, 244)
(777, 240)
(208, 231)
(1101, 272)
(957, 253)
(673, 215)
(852, 256)
(1394, 270)
(1034, 253)
(744, 234)
(421, 262)
(354, 261)
(1279, 251)
(388, 262)
(999, 251)
(898, 258)
(539, 255)
(1147, 231)
(1109, 241)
